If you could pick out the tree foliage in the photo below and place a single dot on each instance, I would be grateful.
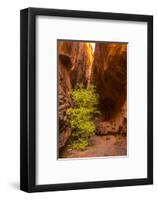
(85, 101)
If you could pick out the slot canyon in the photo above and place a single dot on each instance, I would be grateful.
(105, 67)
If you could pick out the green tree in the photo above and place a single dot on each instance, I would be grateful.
(85, 101)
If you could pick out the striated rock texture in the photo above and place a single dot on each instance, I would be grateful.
(74, 67)
(77, 58)
(64, 102)
(109, 74)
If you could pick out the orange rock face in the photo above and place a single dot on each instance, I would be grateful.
(74, 67)
(109, 74)
(77, 58)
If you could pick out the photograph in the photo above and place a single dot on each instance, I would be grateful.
(86, 99)
(92, 98)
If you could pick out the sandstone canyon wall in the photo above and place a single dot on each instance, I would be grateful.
(74, 67)
(109, 74)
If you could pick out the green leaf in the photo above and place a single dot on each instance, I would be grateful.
(85, 101)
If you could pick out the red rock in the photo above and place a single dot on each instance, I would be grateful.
(109, 74)
(74, 67)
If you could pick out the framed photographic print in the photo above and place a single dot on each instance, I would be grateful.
(86, 99)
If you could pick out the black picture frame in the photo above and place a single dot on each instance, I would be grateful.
(28, 99)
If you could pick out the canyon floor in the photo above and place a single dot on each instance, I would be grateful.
(108, 145)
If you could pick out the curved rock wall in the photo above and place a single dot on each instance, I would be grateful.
(74, 67)
(109, 74)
